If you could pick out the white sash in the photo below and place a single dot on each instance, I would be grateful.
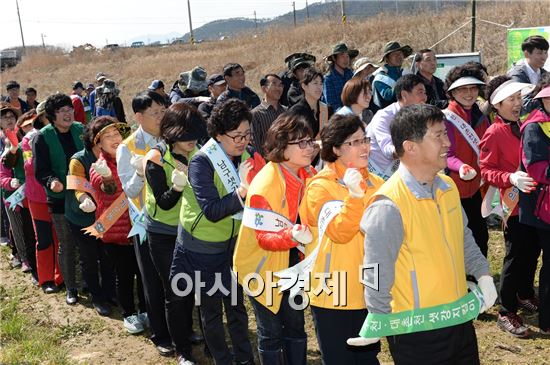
(266, 220)
(299, 273)
(465, 129)
(224, 168)
(385, 79)
(384, 174)
(16, 197)
(137, 218)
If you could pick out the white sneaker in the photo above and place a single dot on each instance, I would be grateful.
(132, 324)
(143, 319)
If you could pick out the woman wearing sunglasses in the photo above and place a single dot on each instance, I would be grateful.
(209, 222)
(272, 237)
(342, 188)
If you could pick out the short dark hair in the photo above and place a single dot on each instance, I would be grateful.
(227, 117)
(54, 103)
(287, 127)
(335, 133)
(406, 83)
(30, 90)
(411, 124)
(178, 120)
(419, 56)
(230, 67)
(263, 80)
(352, 89)
(143, 101)
(12, 85)
(534, 41)
(469, 69)
(310, 74)
(494, 84)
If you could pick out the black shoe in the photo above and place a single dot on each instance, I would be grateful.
(249, 362)
(103, 309)
(196, 338)
(72, 297)
(186, 360)
(49, 287)
(165, 350)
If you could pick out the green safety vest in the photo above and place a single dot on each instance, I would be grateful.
(169, 217)
(72, 211)
(57, 154)
(195, 223)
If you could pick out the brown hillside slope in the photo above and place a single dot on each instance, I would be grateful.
(133, 69)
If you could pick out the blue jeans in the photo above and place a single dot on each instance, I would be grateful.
(274, 329)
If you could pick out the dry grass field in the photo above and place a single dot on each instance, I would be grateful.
(41, 329)
(134, 68)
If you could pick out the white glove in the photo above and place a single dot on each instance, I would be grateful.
(302, 234)
(361, 341)
(489, 291)
(100, 166)
(467, 172)
(87, 205)
(522, 181)
(14, 183)
(352, 180)
(137, 163)
(179, 180)
(244, 169)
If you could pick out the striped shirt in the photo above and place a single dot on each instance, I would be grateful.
(262, 117)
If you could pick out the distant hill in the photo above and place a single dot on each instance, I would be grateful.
(327, 10)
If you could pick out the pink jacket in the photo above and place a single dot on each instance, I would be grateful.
(34, 191)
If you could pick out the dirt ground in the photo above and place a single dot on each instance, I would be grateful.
(91, 339)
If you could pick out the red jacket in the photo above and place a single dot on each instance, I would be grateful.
(461, 150)
(499, 156)
(118, 233)
(79, 113)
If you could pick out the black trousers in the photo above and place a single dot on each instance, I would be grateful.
(212, 308)
(178, 310)
(333, 327)
(126, 267)
(519, 264)
(455, 345)
(98, 271)
(478, 225)
(154, 293)
(544, 280)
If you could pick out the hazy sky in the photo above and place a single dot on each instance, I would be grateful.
(72, 22)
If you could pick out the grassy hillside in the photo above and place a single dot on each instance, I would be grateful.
(133, 69)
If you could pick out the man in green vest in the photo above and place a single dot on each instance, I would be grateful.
(52, 148)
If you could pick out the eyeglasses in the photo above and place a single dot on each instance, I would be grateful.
(240, 138)
(304, 143)
(357, 142)
(8, 116)
(66, 110)
(156, 114)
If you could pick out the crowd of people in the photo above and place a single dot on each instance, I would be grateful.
(361, 192)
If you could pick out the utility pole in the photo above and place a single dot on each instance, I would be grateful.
(307, 11)
(20, 26)
(396, 7)
(43, 44)
(255, 21)
(294, 12)
(473, 45)
(191, 38)
(343, 12)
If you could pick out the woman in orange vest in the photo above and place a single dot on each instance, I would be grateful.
(342, 188)
(271, 238)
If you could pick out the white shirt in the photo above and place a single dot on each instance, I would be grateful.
(534, 76)
(132, 183)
